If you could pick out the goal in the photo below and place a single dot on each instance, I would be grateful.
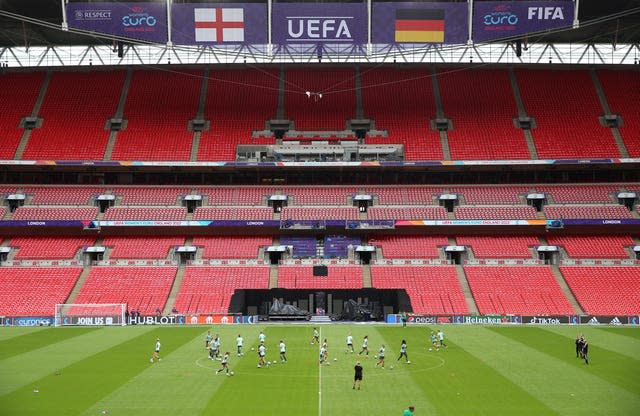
(90, 314)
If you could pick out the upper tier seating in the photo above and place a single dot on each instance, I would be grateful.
(496, 213)
(417, 213)
(593, 246)
(209, 289)
(507, 247)
(150, 195)
(238, 103)
(145, 214)
(432, 289)
(231, 247)
(75, 110)
(62, 195)
(526, 290)
(237, 195)
(408, 247)
(565, 107)
(35, 291)
(52, 214)
(205, 213)
(329, 113)
(141, 247)
(605, 290)
(586, 211)
(158, 108)
(580, 194)
(491, 195)
(301, 277)
(405, 195)
(482, 107)
(18, 94)
(296, 213)
(401, 102)
(319, 195)
(142, 288)
(49, 248)
(622, 89)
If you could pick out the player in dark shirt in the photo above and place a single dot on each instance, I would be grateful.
(585, 351)
(579, 342)
(357, 377)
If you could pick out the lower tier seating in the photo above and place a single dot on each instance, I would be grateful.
(141, 247)
(593, 246)
(526, 290)
(301, 277)
(432, 289)
(231, 247)
(508, 247)
(143, 289)
(605, 290)
(209, 289)
(35, 291)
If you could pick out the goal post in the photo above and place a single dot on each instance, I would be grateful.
(90, 314)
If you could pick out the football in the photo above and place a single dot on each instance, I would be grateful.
(335, 359)
(231, 373)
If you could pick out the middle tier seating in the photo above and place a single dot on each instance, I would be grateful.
(301, 277)
(580, 194)
(150, 195)
(525, 290)
(142, 288)
(586, 211)
(319, 195)
(296, 213)
(145, 214)
(231, 247)
(227, 214)
(432, 289)
(134, 247)
(35, 291)
(209, 289)
(405, 195)
(49, 248)
(62, 195)
(506, 247)
(593, 246)
(236, 195)
(491, 195)
(414, 213)
(408, 247)
(496, 213)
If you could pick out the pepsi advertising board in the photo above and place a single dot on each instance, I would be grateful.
(504, 19)
(419, 23)
(142, 21)
(319, 23)
(219, 24)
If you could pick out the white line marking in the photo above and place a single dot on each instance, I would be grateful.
(320, 377)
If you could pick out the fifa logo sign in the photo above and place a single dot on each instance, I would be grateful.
(545, 13)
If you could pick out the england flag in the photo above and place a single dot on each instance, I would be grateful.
(219, 24)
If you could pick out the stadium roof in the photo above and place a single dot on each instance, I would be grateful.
(19, 33)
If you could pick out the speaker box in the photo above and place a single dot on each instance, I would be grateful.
(320, 271)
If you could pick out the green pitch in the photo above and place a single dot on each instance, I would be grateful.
(484, 371)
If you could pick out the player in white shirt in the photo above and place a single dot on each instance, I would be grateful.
(381, 356)
(441, 338)
(350, 343)
(262, 337)
(156, 352)
(323, 354)
(215, 348)
(365, 346)
(283, 351)
(224, 364)
(239, 344)
(262, 352)
(316, 336)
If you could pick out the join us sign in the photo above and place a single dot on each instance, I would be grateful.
(319, 23)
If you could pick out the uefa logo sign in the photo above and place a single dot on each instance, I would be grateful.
(79, 15)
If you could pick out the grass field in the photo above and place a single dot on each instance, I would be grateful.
(484, 371)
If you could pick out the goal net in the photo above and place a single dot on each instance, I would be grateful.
(91, 314)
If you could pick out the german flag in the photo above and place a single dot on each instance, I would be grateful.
(420, 25)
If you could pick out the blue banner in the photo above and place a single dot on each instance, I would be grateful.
(503, 19)
(143, 21)
(29, 321)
